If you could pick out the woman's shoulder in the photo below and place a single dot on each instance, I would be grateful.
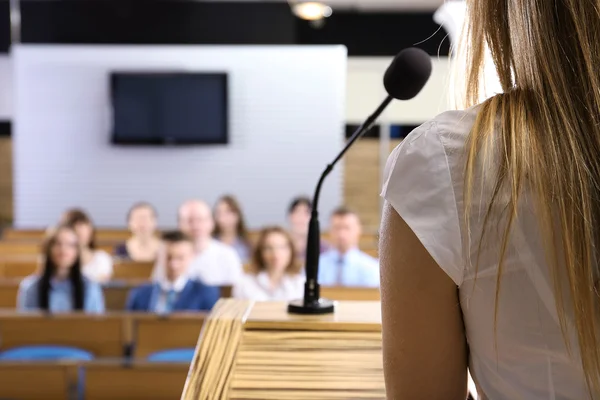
(91, 285)
(450, 128)
(29, 282)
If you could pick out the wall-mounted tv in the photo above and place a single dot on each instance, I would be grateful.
(169, 108)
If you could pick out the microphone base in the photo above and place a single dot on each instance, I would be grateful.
(319, 307)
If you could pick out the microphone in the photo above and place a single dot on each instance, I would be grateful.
(403, 80)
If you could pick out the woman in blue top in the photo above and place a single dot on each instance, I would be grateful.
(61, 286)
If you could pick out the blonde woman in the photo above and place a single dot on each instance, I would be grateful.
(490, 235)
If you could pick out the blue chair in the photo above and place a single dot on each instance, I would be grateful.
(173, 355)
(49, 353)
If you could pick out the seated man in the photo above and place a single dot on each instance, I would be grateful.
(345, 264)
(214, 263)
(175, 292)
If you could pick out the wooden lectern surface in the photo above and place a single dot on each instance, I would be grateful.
(259, 351)
(362, 316)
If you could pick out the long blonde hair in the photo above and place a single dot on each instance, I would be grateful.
(545, 131)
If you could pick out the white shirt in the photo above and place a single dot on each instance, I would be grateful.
(258, 287)
(354, 269)
(99, 267)
(217, 265)
(424, 184)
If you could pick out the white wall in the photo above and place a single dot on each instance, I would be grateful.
(364, 92)
(286, 118)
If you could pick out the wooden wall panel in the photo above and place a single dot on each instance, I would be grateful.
(6, 181)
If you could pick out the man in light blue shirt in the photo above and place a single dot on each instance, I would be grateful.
(345, 264)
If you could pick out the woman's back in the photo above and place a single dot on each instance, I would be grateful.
(518, 352)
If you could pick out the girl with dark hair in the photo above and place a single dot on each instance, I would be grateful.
(230, 227)
(97, 265)
(275, 272)
(143, 245)
(61, 287)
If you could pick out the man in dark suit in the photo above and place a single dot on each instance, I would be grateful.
(175, 292)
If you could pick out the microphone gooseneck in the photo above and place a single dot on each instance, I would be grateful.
(403, 80)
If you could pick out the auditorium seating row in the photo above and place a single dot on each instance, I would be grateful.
(115, 294)
(96, 380)
(109, 338)
(27, 242)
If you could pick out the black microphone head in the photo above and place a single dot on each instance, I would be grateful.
(407, 74)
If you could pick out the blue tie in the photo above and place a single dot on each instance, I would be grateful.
(171, 298)
(340, 271)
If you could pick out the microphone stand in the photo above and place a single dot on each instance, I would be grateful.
(313, 304)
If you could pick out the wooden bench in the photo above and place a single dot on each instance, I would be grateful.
(131, 270)
(8, 293)
(103, 336)
(152, 333)
(102, 234)
(20, 267)
(12, 248)
(37, 381)
(138, 380)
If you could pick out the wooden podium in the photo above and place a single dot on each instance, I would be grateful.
(253, 350)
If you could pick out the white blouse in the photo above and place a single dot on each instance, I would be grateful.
(258, 288)
(424, 184)
(99, 267)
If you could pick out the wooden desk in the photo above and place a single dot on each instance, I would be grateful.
(143, 381)
(104, 336)
(37, 381)
(258, 351)
(152, 333)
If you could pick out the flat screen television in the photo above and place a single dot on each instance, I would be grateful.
(169, 108)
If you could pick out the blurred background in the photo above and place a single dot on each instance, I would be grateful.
(291, 97)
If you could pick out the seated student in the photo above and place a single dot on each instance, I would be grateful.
(143, 245)
(298, 218)
(97, 264)
(175, 292)
(345, 264)
(215, 263)
(230, 227)
(60, 287)
(275, 272)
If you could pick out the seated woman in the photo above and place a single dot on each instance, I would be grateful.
(230, 227)
(97, 265)
(275, 273)
(143, 245)
(60, 287)
(298, 215)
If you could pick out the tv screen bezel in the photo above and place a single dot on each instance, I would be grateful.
(114, 75)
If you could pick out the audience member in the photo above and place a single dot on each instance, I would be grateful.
(215, 263)
(275, 272)
(298, 219)
(97, 264)
(345, 264)
(176, 292)
(143, 245)
(60, 287)
(230, 227)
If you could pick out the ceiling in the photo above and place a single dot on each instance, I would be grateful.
(397, 5)
(376, 5)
